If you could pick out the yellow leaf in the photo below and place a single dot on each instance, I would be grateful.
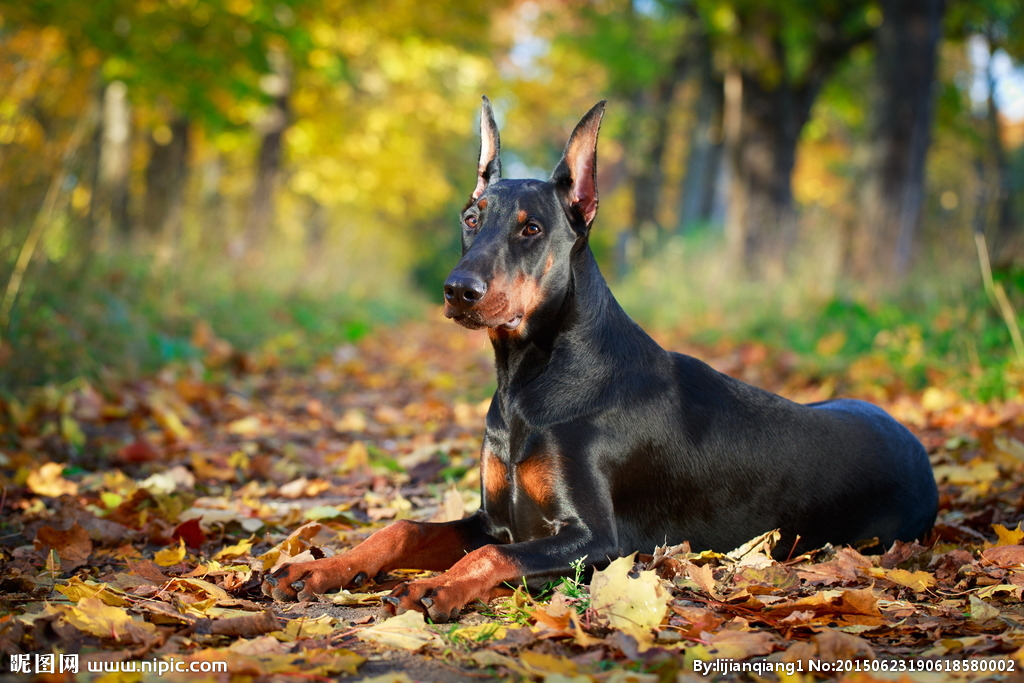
(393, 677)
(634, 606)
(543, 664)
(71, 431)
(480, 632)
(306, 627)
(981, 611)
(171, 423)
(203, 589)
(407, 631)
(240, 548)
(245, 426)
(93, 616)
(49, 481)
(77, 589)
(1008, 536)
(170, 556)
(344, 597)
(919, 581)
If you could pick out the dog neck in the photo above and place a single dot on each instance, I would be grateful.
(585, 316)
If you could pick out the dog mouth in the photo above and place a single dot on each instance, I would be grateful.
(474, 321)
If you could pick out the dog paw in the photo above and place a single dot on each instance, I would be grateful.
(304, 581)
(439, 602)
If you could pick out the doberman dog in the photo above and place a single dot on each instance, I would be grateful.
(599, 442)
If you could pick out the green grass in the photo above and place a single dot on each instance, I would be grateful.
(127, 315)
(939, 327)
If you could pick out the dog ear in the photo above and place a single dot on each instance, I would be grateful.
(489, 167)
(577, 171)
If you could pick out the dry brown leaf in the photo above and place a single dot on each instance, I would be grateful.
(73, 545)
(835, 646)
(729, 644)
(1003, 555)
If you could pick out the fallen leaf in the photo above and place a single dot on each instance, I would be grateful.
(190, 533)
(1008, 536)
(172, 555)
(981, 611)
(94, 617)
(48, 480)
(543, 664)
(236, 550)
(836, 646)
(728, 644)
(73, 545)
(407, 631)
(309, 627)
(633, 605)
(1003, 555)
(76, 590)
(919, 581)
(244, 626)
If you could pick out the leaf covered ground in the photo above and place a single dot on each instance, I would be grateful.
(137, 518)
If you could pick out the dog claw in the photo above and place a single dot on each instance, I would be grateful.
(359, 579)
(297, 586)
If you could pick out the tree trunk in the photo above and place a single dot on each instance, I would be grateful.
(703, 160)
(648, 176)
(108, 210)
(762, 128)
(899, 136)
(767, 103)
(260, 214)
(1007, 241)
(166, 175)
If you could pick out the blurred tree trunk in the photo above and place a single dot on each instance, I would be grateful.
(260, 213)
(762, 128)
(166, 175)
(1007, 241)
(766, 105)
(108, 210)
(652, 112)
(704, 158)
(900, 121)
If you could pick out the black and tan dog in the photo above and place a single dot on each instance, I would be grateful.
(599, 442)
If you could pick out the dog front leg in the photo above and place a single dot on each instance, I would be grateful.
(479, 574)
(404, 544)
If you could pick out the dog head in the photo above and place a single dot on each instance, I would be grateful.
(518, 236)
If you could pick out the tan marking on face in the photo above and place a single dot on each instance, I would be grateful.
(494, 474)
(506, 298)
(538, 476)
(482, 203)
(521, 216)
(549, 263)
(525, 295)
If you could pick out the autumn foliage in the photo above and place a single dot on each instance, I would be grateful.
(139, 516)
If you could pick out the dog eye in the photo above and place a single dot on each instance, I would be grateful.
(471, 222)
(531, 229)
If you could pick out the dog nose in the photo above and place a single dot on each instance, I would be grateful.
(464, 290)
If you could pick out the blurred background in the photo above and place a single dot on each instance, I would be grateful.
(843, 179)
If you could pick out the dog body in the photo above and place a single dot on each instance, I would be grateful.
(600, 443)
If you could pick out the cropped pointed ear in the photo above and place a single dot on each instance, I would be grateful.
(577, 171)
(489, 167)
